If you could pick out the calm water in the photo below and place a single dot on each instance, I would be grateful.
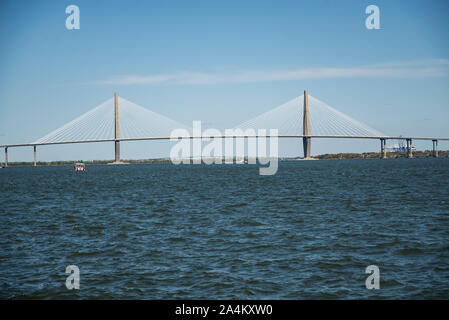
(163, 231)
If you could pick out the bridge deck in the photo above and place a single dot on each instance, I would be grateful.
(225, 136)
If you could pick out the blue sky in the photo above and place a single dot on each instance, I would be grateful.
(221, 62)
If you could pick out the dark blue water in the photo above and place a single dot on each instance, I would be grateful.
(194, 231)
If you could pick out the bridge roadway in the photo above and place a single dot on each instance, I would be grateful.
(226, 136)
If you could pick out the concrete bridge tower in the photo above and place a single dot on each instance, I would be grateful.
(306, 140)
(117, 130)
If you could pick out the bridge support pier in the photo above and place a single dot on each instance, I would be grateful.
(306, 143)
(383, 148)
(435, 148)
(117, 151)
(409, 149)
(34, 148)
(6, 157)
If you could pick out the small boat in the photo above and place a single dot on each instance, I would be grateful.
(80, 167)
(241, 160)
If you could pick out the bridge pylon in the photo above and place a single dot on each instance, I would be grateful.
(306, 140)
(116, 131)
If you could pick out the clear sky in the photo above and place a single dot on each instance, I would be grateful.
(221, 62)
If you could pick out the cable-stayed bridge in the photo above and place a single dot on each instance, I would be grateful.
(304, 117)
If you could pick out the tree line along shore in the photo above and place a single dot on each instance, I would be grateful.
(376, 155)
(327, 156)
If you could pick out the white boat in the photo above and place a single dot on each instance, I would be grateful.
(80, 167)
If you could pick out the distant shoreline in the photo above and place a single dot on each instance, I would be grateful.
(328, 156)
(376, 155)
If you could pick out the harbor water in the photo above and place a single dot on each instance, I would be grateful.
(161, 231)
